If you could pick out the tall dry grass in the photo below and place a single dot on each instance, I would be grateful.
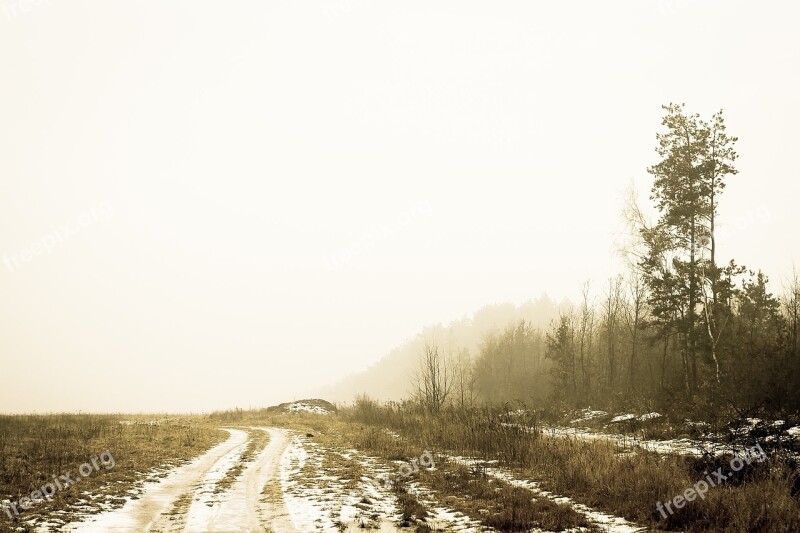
(35, 448)
(765, 497)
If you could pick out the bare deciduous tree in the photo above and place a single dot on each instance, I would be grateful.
(586, 336)
(634, 316)
(791, 307)
(611, 311)
(434, 379)
(464, 377)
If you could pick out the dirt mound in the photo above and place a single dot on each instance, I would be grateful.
(316, 406)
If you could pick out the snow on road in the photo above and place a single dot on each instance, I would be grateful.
(189, 499)
(149, 512)
(239, 508)
(293, 485)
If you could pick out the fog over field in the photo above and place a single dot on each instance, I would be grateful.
(355, 265)
(209, 205)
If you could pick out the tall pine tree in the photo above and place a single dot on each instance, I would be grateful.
(696, 156)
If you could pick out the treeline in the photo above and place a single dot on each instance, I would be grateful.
(682, 328)
(388, 379)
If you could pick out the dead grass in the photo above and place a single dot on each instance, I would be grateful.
(492, 502)
(34, 448)
(765, 498)
(412, 512)
(596, 473)
(497, 504)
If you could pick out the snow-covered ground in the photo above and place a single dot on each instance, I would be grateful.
(297, 407)
(293, 485)
(679, 446)
(603, 521)
(649, 416)
(623, 418)
(149, 511)
(188, 498)
(588, 414)
(444, 518)
(321, 496)
(709, 444)
(297, 484)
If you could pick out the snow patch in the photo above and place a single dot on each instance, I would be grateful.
(604, 521)
(443, 518)
(307, 408)
(622, 418)
(588, 414)
(318, 501)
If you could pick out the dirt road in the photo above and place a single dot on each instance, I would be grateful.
(293, 484)
(188, 499)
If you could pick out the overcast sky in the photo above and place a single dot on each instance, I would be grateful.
(218, 204)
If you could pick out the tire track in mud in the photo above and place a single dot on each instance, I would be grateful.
(149, 511)
(272, 493)
(271, 504)
(245, 505)
(189, 498)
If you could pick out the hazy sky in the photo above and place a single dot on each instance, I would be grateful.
(218, 204)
